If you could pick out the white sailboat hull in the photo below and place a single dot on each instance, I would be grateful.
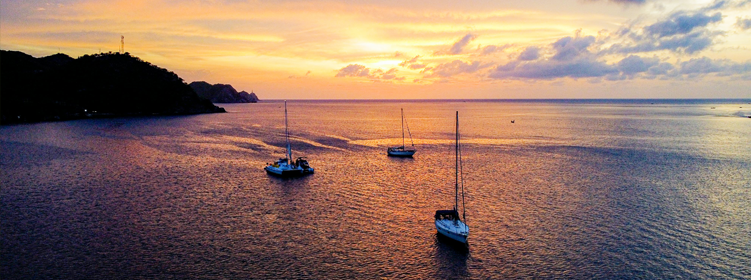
(287, 170)
(456, 230)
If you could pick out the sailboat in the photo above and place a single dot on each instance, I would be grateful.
(448, 222)
(403, 151)
(284, 167)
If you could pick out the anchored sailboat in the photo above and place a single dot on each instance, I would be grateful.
(448, 222)
(284, 167)
(403, 151)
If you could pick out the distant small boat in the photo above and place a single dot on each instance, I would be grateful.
(403, 151)
(448, 222)
(283, 167)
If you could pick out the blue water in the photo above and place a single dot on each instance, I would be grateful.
(657, 189)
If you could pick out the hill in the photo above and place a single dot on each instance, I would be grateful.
(221, 93)
(59, 87)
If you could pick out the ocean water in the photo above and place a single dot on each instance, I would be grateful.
(582, 189)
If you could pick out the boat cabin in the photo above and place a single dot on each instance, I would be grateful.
(451, 215)
(302, 162)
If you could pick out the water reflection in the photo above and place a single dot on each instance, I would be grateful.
(449, 258)
(297, 180)
(400, 159)
(290, 185)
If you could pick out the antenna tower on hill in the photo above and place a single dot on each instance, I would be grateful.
(122, 44)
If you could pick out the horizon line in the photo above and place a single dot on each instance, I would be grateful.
(509, 99)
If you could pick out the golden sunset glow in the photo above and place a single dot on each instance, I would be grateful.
(411, 49)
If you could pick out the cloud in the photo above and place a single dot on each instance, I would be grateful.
(627, 68)
(743, 24)
(568, 48)
(721, 67)
(690, 43)
(417, 66)
(740, 68)
(681, 23)
(412, 63)
(682, 32)
(409, 61)
(457, 67)
(385, 75)
(530, 53)
(660, 69)
(703, 65)
(353, 70)
(718, 4)
(578, 56)
(487, 50)
(360, 71)
(551, 69)
(615, 77)
(634, 64)
(459, 45)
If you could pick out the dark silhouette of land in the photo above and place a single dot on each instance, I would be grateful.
(59, 87)
(221, 93)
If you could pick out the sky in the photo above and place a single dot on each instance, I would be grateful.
(432, 49)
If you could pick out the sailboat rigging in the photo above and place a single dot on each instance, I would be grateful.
(284, 167)
(448, 222)
(403, 150)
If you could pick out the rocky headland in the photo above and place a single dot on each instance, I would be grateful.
(221, 93)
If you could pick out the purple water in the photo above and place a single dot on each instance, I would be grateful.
(571, 189)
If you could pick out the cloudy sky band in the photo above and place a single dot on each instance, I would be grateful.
(330, 48)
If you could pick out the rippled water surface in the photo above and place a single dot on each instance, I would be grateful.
(571, 189)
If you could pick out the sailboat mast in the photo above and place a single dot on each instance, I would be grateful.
(402, 127)
(286, 132)
(461, 177)
(456, 150)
